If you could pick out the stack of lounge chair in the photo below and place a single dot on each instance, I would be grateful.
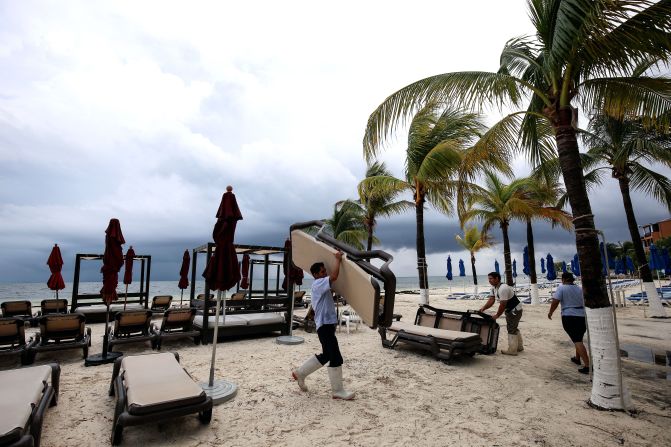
(19, 309)
(13, 339)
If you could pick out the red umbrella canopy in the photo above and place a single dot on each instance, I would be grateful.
(223, 270)
(55, 263)
(244, 283)
(295, 273)
(112, 260)
(184, 271)
(128, 266)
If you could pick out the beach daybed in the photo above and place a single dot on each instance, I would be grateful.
(26, 394)
(13, 339)
(59, 332)
(176, 323)
(161, 303)
(241, 323)
(131, 326)
(152, 388)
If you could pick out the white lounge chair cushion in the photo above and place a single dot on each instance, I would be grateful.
(259, 319)
(441, 334)
(20, 389)
(101, 308)
(158, 381)
(231, 320)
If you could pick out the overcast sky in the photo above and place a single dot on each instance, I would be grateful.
(145, 111)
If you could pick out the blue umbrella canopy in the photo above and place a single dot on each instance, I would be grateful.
(525, 261)
(604, 270)
(575, 265)
(656, 262)
(514, 268)
(496, 266)
(449, 269)
(666, 260)
(552, 274)
(630, 265)
(563, 266)
(542, 265)
(619, 267)
(462, 270)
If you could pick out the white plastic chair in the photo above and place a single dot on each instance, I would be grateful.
(350, 316)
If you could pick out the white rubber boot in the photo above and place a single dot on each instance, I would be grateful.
(512, 345)
(299, 374)
(338, 392)
(520, 343)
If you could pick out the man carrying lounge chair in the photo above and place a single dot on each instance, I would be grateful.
(326, 320)
(508, 303)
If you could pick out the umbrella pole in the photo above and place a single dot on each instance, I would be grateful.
(125, 298)
(181, 296)
(216, 334)
(106, 337)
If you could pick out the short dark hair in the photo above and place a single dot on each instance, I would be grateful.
(567, 276)
(496, 275)
(316, 267)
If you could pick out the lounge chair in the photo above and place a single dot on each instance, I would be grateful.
(13, 339)
(20, 309)
(59, 332)
(152, 388)
(306, 321)
(132, 326)
(54, 306)
(161, 303)
(26, 393)
(177, 323)
(299, 299)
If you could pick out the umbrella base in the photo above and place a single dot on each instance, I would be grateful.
(221, 391)
(289, 340)
(99, 359)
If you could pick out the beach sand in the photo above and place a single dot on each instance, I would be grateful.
(403, 396)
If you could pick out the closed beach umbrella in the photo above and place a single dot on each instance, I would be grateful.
(542, 265)
(462, 270)
(244, 282)
(603, 260)
(525, 261)
(128, 272)
(575, 265)
(630, 265)
(496, 266)
(55, 263)
(112, 262)
(666, 260)
(514, 268)
(656, 262)
(184, 275)
(563, 266)
(619, 267)
(449, 269)
(552, 274)
(295, 273)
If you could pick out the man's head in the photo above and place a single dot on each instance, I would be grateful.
(567, 277)
(318, 270)
(494, 278)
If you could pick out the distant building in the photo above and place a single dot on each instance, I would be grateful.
(654, 231)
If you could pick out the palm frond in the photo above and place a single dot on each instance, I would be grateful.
(652, 183)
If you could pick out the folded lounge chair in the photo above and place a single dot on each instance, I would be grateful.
(177, 323)
(161, 303)
(26, 393)
(59, 332)
(132, 326)
(13, 339)
(54, 306)
(152, 388)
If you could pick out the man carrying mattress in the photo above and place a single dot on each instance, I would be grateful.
(511, 305)
(326, 320)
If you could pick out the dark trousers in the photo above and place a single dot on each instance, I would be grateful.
(330, 350)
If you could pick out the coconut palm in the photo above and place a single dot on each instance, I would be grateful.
(473, 241)
(346, 224)
(378, 204)
(437, 141)
(577, 57)
(627, 148)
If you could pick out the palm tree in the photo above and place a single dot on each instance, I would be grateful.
(437, 139)
(624, 146)
(499, 203)
(473, 241)
(577, 56)
(375, 204)
(346, 224)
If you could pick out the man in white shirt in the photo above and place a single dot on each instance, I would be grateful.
(511, 306)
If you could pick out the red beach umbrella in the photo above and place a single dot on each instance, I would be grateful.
(128, 272)
(295, 273)
(55, 263)
(184, 275)
(112, 261)
(244, 282)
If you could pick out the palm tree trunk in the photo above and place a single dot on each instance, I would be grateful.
(475, 274)
(607, 386)
(533, 279)
(369, 245)
(656, 308)
(506, 254)
(421, 253)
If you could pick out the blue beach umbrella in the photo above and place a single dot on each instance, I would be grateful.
(462, 270)
(542, 265)
(604, 270)
(525, 261)
(514, 268)
(563, 266)
(552, 274)
(449, 269)
(666, 260)
(496, 266)
(656, 262)
(630, 265)
(575, 265)
(619, 267)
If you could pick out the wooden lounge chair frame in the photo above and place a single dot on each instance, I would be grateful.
(176, 323)
(30, 435)
(59, 332)
(123, 418)
(13, 339)
(161, 303)
(132, 326)
(54, 306)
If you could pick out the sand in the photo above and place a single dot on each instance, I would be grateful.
(403, 397)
